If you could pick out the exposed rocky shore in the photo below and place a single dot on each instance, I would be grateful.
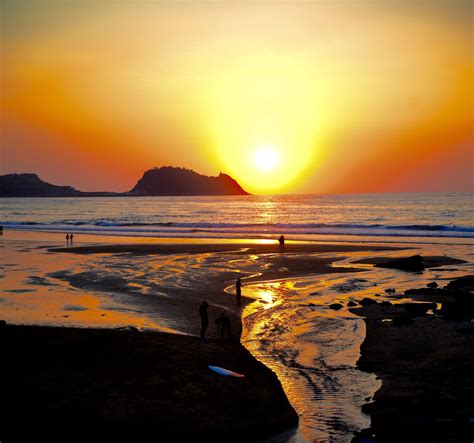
(424, 354)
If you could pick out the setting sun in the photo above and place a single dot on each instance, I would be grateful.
(266, 159)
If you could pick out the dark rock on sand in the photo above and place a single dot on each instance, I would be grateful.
(427, 291)
(456, 298)
(335, 306)
(433, 284)
(418, 309)
(367, 301)
(464, 283)
(411, 264)
(351, 303)
(390, 291)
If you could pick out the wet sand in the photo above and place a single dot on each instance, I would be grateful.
(72, 384)
(103, 363)
(156, 285)
(256, 247)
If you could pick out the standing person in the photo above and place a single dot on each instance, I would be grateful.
(67, 238)
(281, 240)
(70, 237)
(238, 291)
(204, 319)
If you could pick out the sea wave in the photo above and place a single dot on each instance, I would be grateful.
(168, 229)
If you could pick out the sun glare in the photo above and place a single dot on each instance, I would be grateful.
(266, 159)
(264, 122)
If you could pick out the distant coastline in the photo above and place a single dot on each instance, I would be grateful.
(164, 181)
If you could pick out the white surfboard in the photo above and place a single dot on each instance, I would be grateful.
(225, 372)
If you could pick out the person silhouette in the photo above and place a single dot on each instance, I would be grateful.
(238, 291)
(204, 319)
(281, 240)
(223, 325)
(70, 237)
(67, 238)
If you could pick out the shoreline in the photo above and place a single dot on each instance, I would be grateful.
(91, 236)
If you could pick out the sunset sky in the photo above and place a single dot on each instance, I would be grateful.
(317, 97)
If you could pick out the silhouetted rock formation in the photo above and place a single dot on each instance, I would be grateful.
(30, 185)
(158, 181)
(179, 181)
(366, 301)
(465, 283)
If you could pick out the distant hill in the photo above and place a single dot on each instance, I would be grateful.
(30, 185)
(179, 181)
(158, 181)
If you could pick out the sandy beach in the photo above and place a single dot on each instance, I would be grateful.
(77, 384)
(121, 321)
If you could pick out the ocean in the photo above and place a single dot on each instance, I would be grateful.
(298, 217)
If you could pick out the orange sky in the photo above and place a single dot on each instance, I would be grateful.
(347, 96)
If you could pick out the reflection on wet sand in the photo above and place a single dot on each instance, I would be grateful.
(288, 323)
(314, 349)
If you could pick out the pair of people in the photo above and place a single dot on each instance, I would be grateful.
(222, 322)
(69, 238)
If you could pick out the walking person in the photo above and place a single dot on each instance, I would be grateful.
(67, 238)
(204, 319)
